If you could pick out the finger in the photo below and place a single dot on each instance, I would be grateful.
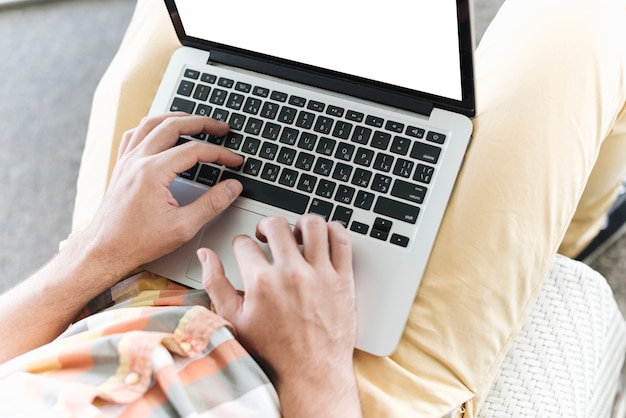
(213, 202)
(124, 143)
(340, 248)
(166, 133)
(313, 231)
(226, 300)
(183, 157)
(147, 125)
(276, 231)
(250, 259)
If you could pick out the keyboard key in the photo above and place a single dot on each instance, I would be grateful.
(182, 105)
(364, 157)
(235, 101)
(361, 177)
(354, 116)
(394, 126)
(344, 151)
(396, 210)
(381, 140)
(279, 96)
(201, 92)
(307, 141)
(343, 215)
(321, 208)
(250, 145)
(287, 115)
(364, 200)
(307, 183)
(233, 140)
(271, 131)
(297, 101)
(286, 155)
(423, 173)
(325, 146)
(218, 97)
(425, 152)
(403, 168)
(208, 175)
(269, 110)
(220, 114)
(252, 167)
(342, 130)
(208, 78)
(236, 121)
(374, 121)
(361, 135)
(189, 73)
(335, 111)
(191, 173)
(342, 172)
(359, 228)
(415, 132)
(270, 172)
(383, 162)
(323, 166)
(270, 194)
(243, 87)
(408, 191)
(381, 183)
(305, 120)
(252, 105)
(268, 151)
(254, 126)
(185, 88)
(323, 124)
(305, 161)
(204, 110)
(400, 240)
(260, 91)
(316, 106)
(435, 137)
(345, 194)
(225, 82)
(400, 145)
(288, 177)
(325, 188)
(289, 136)
(382, 224)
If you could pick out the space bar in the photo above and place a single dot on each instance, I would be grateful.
(270, 194)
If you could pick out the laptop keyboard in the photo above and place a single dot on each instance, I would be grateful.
(308, 155)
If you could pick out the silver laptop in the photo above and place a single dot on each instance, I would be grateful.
(360, 114)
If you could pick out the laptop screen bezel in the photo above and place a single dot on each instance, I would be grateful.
(410, 100)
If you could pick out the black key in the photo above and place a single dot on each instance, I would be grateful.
(382, 224)
(191, 173)
(435, 137)
(335, 111)
(305, 161)
(364, 200)
(287, 115)
(289, 136)
(235, 101)
(396, 210)
(271, 131)
(423, 173)
(254, 126)
(400, 145)
(307, 183)
(260, 91)
(323, 166)
(361, 135)
(374, 121)
(270, 172)
(316, 106)
(208, 175)
(307, 141)
(383, 162)
(403, 168)
(361, 177)
(236, 121)
(326, 146)
(270, 194)
(323, 124)
(279, 96)
(321, 207)
(189, 73)
(364, 156)
(201, 92)
(288, 177)
(225, 82)
(381, 183)
(218, 97)
(269, 110)
(381, 140)
(394, 126)
(243, 87)
(251, 145)
(252, 105)
(400, 240)
(297, 101)
(268, 150)
(203, 110)
(342, 172)
(343, 215)
(354, 116)
(208, 78)
(182, 105)
(425, 152)
(185, 88)
(286, 155)
(344, 194)
(342, 130)
(344, 151)
(233, 140)
(359, 228)
(220, 114)
(252, 167)
(325, 188)
(408, 191)
(415, 132)
(305, 120)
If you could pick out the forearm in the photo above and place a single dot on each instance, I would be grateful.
(42, 307)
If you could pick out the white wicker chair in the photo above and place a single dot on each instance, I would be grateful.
(567, 359)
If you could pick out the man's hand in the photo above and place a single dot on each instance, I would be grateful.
(139, 219)
(297, 316)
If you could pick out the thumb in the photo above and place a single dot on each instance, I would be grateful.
(224, 297)
(213, 202)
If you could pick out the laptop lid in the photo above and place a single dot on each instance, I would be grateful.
(413, 55)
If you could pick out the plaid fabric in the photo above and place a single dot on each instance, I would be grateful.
(156, 351)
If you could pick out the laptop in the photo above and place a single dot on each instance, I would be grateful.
(360, 114)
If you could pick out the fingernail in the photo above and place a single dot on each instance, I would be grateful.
(234, 188)
(201, 253)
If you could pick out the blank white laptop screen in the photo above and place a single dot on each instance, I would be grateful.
(338, 35)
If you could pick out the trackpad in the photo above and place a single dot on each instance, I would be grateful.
(218, 235)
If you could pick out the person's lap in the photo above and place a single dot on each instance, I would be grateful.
(550, 87)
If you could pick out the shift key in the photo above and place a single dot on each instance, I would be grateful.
(396, 210)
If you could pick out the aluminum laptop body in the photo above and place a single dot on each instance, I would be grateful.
(358, 113)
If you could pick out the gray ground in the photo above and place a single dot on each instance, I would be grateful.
(52, 54)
